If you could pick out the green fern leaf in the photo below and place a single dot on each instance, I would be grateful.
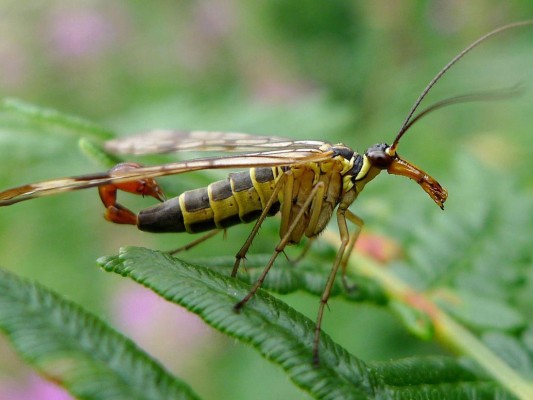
(75, 349)
(285, 337)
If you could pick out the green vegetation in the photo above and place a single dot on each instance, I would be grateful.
(443, 305)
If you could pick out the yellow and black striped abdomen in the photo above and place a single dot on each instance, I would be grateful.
(239, 198)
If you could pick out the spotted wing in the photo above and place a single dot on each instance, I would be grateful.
(167, 141)
(274, 158)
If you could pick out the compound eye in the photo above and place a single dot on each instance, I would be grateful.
(379, 158)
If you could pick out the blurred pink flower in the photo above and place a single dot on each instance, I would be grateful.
(211, 26)
(33, 388)
(80, 33)
(168, 332)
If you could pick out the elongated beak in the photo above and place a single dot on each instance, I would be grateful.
(402, 167)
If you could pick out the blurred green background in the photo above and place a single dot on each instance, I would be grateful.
(340, 71)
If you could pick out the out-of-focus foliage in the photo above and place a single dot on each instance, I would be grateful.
(339, 70)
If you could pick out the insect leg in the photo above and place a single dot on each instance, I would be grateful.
(310, 231)
(284, 180)
(318, 192)
(342, 214)
(304, 251)
(358, 222)
(201, 239)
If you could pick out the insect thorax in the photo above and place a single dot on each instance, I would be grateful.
(334, 176)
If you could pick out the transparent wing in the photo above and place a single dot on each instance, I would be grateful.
(284, 157)
(166, 141)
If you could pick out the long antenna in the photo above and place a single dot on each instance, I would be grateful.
(488, 95)
(437, 77)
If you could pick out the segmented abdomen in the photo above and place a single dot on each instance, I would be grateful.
(239, 198)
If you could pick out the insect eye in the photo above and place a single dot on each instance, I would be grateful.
(378, 157)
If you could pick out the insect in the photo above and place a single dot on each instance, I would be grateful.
(305, 182)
